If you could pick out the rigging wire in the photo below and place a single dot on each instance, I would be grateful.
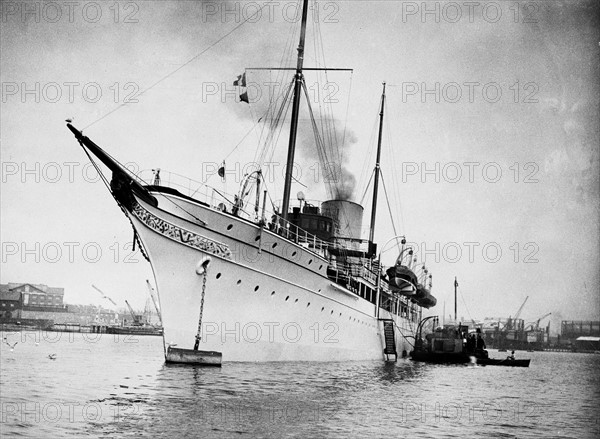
(396, 192)
(241, 141)
(465, 303)
(181, 66)
(334, 140)
(285, 59)
(369, 159)
(388, 205)
(367, 187)
(322, 151)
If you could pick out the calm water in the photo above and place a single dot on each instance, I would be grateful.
(116, 386)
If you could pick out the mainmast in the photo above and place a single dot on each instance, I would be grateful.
(295, 110)
(377, 169)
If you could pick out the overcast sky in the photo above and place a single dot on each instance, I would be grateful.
(497, 101)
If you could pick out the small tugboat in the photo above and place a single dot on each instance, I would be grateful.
(452, 344)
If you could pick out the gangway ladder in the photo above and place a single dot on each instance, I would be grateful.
(390, 340)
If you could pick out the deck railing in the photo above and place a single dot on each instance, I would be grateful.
(226, 202)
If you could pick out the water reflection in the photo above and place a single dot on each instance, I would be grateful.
(405, 370)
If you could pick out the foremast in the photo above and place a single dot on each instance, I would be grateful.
(298, 79)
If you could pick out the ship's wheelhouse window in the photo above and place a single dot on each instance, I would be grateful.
(314, 223)
(305, 223)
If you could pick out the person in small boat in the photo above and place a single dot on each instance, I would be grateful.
(480, 342)
(471, 342)
(511, 356)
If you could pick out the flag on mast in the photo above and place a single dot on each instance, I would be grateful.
(241, 80)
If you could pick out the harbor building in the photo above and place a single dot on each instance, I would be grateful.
(18, 297)
(29, 303)
(571, 329)
(581, 335)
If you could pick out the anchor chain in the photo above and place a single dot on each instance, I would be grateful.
(198, 335)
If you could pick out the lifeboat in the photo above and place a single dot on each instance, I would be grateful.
(424, 298)
(402, 280)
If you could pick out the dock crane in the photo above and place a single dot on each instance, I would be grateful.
(154, 300)
(534, 326)
(104, 296)
(136, 318)
(511, 321)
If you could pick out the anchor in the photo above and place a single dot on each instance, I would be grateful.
(196, 356)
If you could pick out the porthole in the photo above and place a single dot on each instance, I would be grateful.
(309, 261)
(218, 275)
(296, 301)
(320, 266)
(257, 238)
(319, 290)
(331, 311)
(274, 245)
(286, 298)
(272, 293)
(239, 281)
(340, 314)
(322, 309)
(294, 254)
(230, 226)
(256, 288)
(308, 304)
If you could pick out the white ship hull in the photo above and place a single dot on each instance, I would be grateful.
(276, 305)
(303, 288)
